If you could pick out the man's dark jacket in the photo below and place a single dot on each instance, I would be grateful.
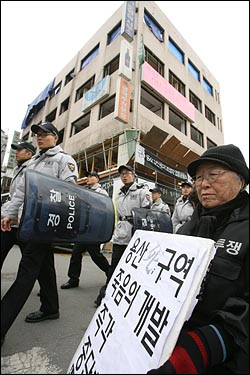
(224, 295)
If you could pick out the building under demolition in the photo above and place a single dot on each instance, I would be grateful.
(136, 93)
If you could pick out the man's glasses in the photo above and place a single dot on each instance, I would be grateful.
(210, 177)
(123, 174)
(43, 135)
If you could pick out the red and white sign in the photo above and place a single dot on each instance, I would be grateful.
(122, 100)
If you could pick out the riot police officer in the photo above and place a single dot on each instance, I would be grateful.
(37, 262)
(131, 195)
(184, 207)
(94, 250)
(24, 152)
(158, 204)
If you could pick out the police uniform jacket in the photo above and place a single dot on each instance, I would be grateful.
(182, 213)
(159, 205)
(137, 196)
(224, 294)
(17, 177)
(53, 162)
(98, 189)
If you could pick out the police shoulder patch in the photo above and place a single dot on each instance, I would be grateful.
(71, 166)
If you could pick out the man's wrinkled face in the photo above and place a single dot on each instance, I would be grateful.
(216, 185)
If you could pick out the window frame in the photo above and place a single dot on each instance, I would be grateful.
(176, 51)
(194, 71)
(183, 126)
(174, 80)
(86, 122)
(84, 88)
(195, 135)
(152, 98)
(194, 100)
(210, 116)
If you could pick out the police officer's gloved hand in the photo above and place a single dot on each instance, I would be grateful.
(197, 350)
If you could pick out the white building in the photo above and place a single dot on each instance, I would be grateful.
(136, 81)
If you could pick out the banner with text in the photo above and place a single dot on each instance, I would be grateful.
(98, 92)
(150, 160)
(150, 295)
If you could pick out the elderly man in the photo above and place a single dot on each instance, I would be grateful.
(215, 339)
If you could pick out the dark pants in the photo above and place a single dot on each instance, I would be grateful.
(75, 265)
(37, 263)
(117, 253)
(8, 240)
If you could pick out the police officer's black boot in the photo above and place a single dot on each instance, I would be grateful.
(101, 295)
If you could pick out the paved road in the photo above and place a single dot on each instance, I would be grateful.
(47, 347)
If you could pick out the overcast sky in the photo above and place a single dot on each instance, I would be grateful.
(40, 37)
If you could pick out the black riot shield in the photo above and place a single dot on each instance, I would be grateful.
(63, 212)
(152, 220)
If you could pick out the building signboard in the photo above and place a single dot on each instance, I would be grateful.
(150, 160)
(128, 20)
(122, 100)
(96, 93)
(126, 58)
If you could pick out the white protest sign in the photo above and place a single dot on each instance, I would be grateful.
(150, 295)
